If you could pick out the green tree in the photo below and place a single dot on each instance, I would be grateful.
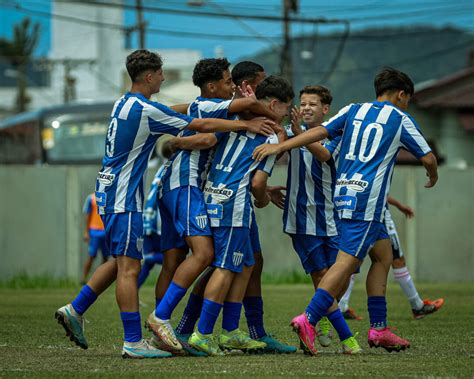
(18, 52)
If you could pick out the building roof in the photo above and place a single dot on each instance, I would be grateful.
(454, 91)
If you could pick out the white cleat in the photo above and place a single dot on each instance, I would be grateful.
(142, 349)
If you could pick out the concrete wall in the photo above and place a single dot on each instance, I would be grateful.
(41, 223)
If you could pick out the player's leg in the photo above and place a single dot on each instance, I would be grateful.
(420, 308)
(379, 334)
(92, 253)
(104, 250)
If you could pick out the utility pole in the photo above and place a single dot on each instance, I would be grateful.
(286, 66)
(140, 24)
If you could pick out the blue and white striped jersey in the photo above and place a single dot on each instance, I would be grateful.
(190, 167)
(372, 135)
(136, 123)
(151, 214)
(227, 189)
(309, 208)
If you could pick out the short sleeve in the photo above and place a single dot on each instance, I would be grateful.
(87, 209)
(214, 108)
(164, 120)
(412, 139)
(267, 164)
(335, 125)
(333, 146)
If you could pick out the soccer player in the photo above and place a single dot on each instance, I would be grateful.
(94, 234)
(420, 308)
(309, 217)
(244, 74)
(182, 206)
(136, 123)
(234, 176)
(372, 134)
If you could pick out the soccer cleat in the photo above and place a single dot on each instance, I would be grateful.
(351, 315)
(306, 333)
(163, 330)
(275, 346)
(386, 339)
(206, 343)
(142, 349)
(429, 306)
(324, 332)
(183, 340)
(159, 344)
(351, 346)
(239, 340)
(73, 324)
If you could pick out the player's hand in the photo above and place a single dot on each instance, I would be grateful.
(277, 197)
(86, 236)
(265, 150)
(261, 125)
(407, 211)
(247, 91)
(296, 120)
(432, 180)
(263, 203)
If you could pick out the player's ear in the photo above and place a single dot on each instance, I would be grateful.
(211, 87)
(325, 109)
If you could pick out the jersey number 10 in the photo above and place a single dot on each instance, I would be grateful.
(363, 157)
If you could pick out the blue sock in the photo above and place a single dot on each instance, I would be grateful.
(131, 326)
(253, 306)
(377, 307)
(231, 316)
(209, 314)
(169, 302)
(157, 302)
(84, 300)
(190, 315)
(337, 320)
(318, 306)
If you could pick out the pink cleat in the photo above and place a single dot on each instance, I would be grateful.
(306, 333)
(386, 339)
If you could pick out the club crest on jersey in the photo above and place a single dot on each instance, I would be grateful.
(105, 178)
(201, 221)
(219, 194)
(237, 258)
(357, 185)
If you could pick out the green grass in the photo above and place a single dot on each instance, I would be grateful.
(32, 343)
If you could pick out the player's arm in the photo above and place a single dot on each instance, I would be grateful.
(405, 209)
(87, 210)
(180, 108)
(431, 165)
(259, 189)
(305, 138)
(277, 197)
(262, 126)
(199, 141)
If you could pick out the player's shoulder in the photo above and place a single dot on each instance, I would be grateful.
(210, 104)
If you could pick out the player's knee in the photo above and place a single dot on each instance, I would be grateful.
(204, 258)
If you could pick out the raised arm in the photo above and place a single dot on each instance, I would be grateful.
(261, 126)
(199, 141)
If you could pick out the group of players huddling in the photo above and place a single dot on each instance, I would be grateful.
(335, 208)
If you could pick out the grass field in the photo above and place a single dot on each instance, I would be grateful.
(32, 343)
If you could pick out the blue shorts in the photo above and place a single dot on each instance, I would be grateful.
(124, 234)
(254, 236)
(316, 253)
(96, 242)
(151, 244)
(358, 237)
(232, 248)
(183, 214)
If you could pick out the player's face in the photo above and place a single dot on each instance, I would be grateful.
(281, 109)
(154, 79)
(311, 108)
(224, 88)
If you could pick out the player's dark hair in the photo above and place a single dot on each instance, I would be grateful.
(323, 93)
(209, 70)
(140, 61)
(390, 79)
(275, 87)
(245, 70)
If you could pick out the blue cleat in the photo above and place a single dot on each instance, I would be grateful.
(276, 347)
(73, 324)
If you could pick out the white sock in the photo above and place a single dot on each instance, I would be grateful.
(403, 277)
(344, 302)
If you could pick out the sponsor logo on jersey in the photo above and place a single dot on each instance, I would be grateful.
(345, 202)
(357, 185)
(219, 194)
(201, 221)
(237, 258)
(214, 211)
(105, 178)
(100, 198)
